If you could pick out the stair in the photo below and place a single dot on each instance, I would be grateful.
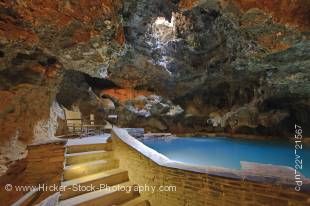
(103, 197)
(109, 178)
(92, 177)
(138, 201)
(88, 147)
(75, 158)
(88, 168)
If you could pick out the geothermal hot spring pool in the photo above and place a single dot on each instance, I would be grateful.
(226, 152)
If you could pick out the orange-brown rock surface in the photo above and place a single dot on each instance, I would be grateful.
(38, 40)
(294, 13)
(58, 14)
(211, 65)
(65, 28)
(124, 94)
(187, 4)
(229, 58)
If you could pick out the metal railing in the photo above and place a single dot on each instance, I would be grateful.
(78, 127)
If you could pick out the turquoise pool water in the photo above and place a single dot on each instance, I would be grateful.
(227, 152)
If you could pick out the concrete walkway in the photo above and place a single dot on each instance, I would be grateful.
(89, 140)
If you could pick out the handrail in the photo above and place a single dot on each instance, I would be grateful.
(86, 129)
(27, 198)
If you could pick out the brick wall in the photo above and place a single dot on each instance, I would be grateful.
(197, 189)
(43, 165)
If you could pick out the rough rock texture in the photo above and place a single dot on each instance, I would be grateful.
(75, 92)
(226, 67)
(217, 66)
(84, 35)
(295, 13)
(38, 40)
(24, 110)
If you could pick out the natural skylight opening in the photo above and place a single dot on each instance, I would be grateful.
(163, 21)
(164, 30)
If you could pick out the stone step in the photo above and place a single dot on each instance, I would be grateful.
(95, 181)
(105, 197)
(138, 201)
(88, 168)
(88, 147)
(81, 157)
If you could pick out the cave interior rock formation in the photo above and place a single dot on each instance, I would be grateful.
(180, 66)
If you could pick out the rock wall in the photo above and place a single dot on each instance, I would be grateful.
(224, 65)
(82, 35)
(38, 41)
(23, 118)
(295, 13)
(230, 66)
